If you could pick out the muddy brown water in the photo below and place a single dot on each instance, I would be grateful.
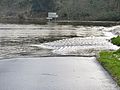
(15, 40)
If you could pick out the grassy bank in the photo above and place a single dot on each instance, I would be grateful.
(111, 60)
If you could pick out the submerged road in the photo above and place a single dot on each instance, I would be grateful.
(54, 73)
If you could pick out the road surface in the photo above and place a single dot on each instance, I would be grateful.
(54, 73)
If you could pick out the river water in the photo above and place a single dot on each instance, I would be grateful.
(19, 40)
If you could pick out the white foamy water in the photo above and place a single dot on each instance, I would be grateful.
(90, 39)
(79, 46)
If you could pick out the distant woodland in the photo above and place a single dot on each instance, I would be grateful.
(108, 10)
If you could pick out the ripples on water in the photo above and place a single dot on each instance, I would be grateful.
(16, 40)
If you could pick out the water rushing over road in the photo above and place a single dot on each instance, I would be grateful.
(54, 73)
(17, 40)
(89, 46)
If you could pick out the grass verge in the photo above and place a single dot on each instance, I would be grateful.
(111, 62)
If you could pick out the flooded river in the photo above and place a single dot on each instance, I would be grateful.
(17, 40)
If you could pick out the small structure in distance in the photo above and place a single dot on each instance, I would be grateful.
(52, 16)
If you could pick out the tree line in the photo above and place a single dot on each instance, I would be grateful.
(66, 9)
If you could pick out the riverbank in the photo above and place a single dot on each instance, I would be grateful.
(15, 20)
(43, 21)
(89, 23)
(110, 60)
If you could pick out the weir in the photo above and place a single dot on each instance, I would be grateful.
(16, 40)
(88, 46)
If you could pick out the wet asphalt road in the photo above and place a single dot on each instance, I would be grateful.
(54, 73)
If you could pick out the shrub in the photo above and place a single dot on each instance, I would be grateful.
(116, 40)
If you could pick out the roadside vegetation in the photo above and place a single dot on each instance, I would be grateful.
(116, 40)
(110, 60)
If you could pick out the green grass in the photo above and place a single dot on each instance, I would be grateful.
(110, 61)
(116, 40)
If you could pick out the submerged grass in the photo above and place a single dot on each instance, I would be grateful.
(111, 62)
